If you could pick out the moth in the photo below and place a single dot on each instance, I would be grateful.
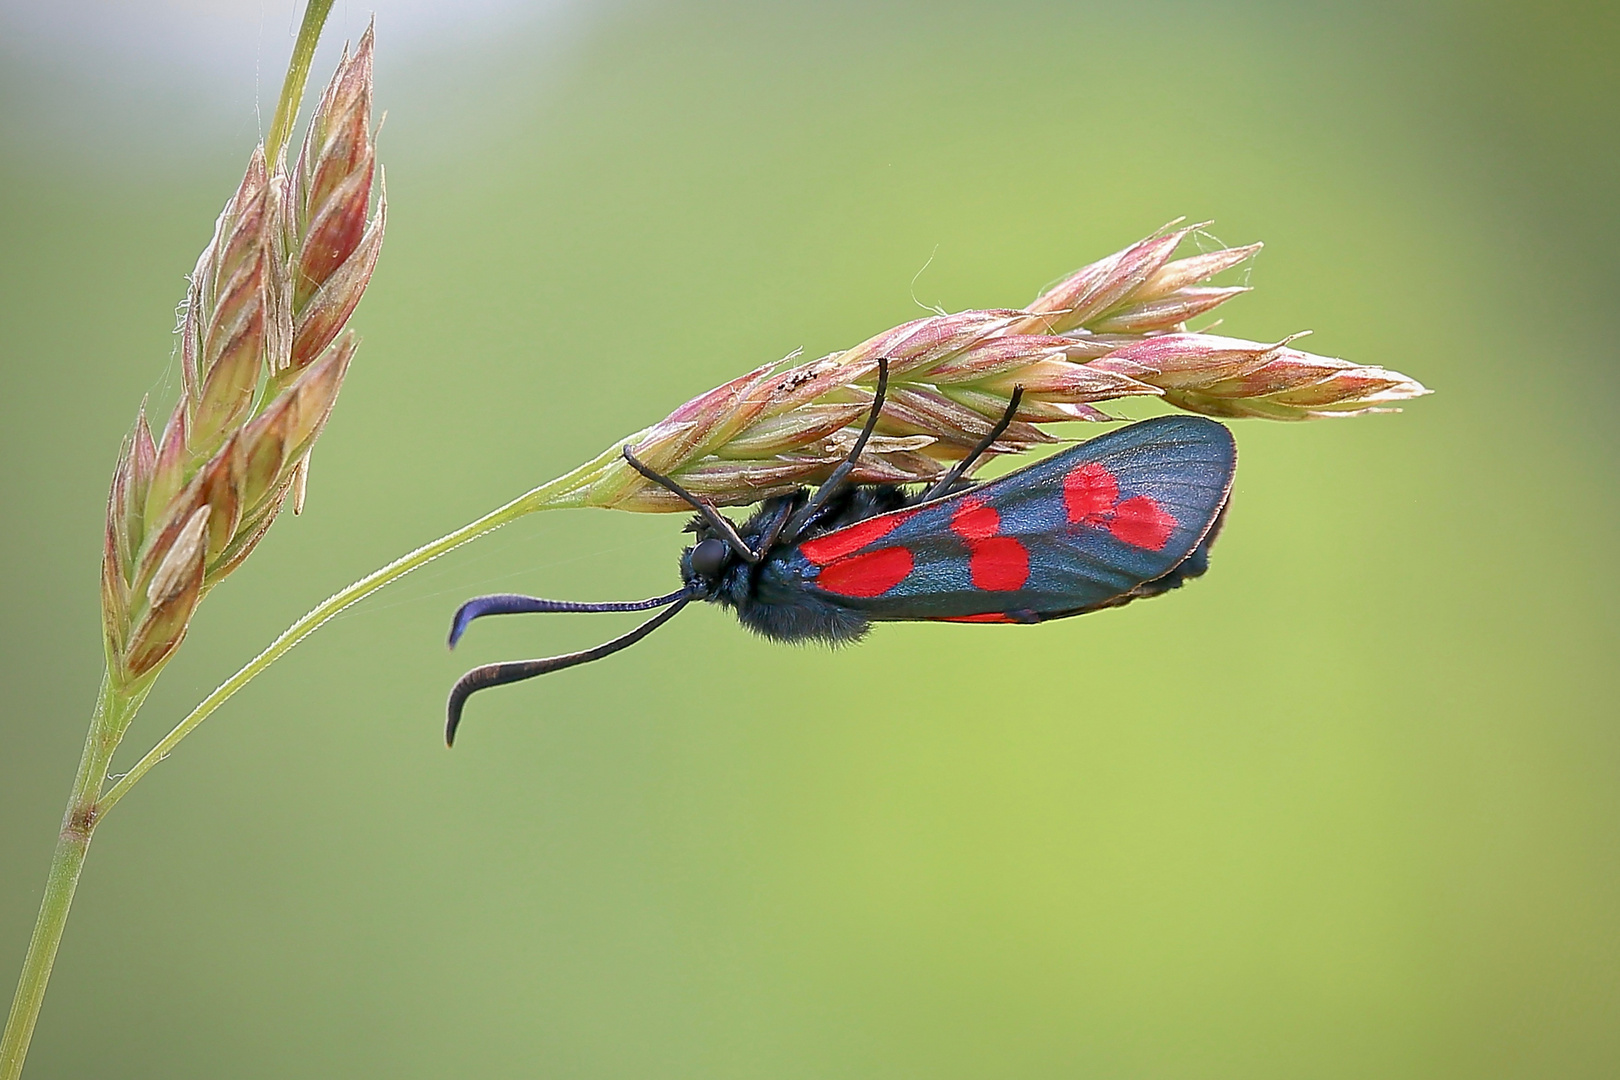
(1127, 515)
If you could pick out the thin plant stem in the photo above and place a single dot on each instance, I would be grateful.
(558, 493)
(114, 710)
(292, 87)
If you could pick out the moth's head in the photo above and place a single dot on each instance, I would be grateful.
(705, 563)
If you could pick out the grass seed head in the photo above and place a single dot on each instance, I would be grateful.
(1114, 329)
(263, 358)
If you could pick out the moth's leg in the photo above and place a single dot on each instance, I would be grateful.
(717, 521)
(944, 484)
(807, 513)
(774, 533)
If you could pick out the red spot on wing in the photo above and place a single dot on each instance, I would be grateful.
(871, 573)
(847, 541)
(989, 616)
(1090, 492)
(975, 521)
(996, 563)
(1142, 523)
(1000, 564)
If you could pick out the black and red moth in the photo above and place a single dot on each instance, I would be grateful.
(1126, 515)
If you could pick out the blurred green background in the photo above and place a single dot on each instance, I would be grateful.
(1347, 807)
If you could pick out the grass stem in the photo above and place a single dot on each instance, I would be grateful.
(292, 87)
(112, 715)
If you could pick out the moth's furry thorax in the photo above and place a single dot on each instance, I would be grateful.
(768, 596)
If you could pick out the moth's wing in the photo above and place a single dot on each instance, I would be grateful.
(1089, 527)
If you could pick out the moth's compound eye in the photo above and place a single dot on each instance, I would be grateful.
(709, 558)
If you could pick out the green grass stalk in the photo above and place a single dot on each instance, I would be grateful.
(113, 712)
(292, 87)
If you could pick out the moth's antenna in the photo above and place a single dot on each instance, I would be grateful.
(481, 678)
(513, 604)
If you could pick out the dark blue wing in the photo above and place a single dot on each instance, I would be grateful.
(1089, 527)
